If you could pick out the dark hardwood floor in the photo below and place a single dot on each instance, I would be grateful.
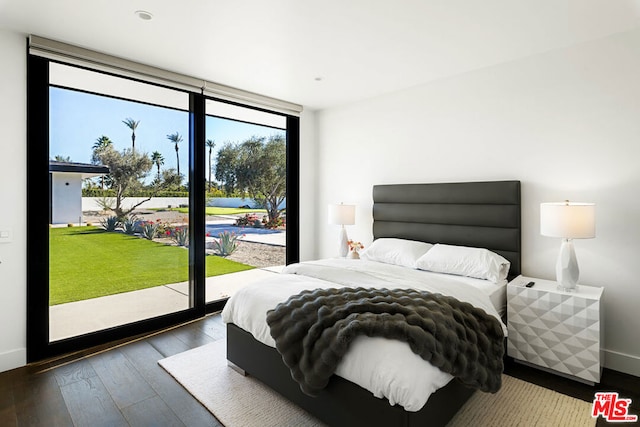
(123, 385)
(118, 386)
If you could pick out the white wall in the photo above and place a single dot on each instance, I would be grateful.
(93, 203)
(566, 123)
(308, 186)
(13, 200)
(66, 197)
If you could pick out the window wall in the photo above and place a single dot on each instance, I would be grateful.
(246, 192)
(119, 202)
(121, 174)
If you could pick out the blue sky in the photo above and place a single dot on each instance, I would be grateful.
(78, 119)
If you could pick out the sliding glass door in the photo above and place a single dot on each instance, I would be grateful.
(122, 177)
(119, 202)
(246, 214)
(111, 247)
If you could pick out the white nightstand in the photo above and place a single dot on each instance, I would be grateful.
(556, 330)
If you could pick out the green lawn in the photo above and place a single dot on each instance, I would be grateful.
(88, 262)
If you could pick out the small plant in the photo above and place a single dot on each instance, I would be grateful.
(149, 230)
(69, 225)
(355, 246)
(272, 224)
(162, 228)
(180, 235)
(225, 244)
(248, 220)
(131, 224)
(110, 223)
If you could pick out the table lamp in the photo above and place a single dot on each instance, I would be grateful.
(567, 220)
(342, 215)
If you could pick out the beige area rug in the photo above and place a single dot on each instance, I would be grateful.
(239, 401)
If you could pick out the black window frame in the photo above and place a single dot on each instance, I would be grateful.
(38, 345)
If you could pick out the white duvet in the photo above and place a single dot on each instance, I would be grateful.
(388, 368)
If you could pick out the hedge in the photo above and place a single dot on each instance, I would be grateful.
(96, 192)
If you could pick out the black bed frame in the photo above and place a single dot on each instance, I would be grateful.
(477, 214)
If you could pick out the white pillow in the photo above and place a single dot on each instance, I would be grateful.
(464, 261)
(396, 251)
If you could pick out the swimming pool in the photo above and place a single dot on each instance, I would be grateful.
(214, 230)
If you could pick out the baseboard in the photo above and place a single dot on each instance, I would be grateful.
(627, 363)
(13, 359)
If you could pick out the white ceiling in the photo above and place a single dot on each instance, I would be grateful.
(360, 48)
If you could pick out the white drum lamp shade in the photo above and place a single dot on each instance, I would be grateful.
(342, 215)
(568, 220)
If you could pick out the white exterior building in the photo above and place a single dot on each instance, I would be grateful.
(66, 189)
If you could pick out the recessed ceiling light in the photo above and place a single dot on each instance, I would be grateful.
(318, 79)
(144, 15)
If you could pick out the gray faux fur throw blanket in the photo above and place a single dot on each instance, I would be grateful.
(314, 329)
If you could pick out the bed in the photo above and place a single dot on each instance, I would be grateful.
(472, 214)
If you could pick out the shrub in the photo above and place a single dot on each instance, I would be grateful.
(109, 193)
(180, 235)
(216, 192)
(110, 223)
(150, 230)
(248, 220)
(275, 223)
(131, 224)
(225, 244)
(97, 192)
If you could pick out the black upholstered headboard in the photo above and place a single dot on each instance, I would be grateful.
(477, 214)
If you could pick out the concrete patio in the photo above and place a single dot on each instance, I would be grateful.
(81, 317)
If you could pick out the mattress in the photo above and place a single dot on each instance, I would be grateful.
(387, 368)
(497, 292)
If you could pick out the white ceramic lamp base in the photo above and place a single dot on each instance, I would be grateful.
(567, 271)
(343, 244)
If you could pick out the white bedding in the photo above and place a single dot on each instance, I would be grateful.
(387, 368)
(497, 292)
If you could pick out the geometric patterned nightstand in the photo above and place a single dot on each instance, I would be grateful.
(556, 330)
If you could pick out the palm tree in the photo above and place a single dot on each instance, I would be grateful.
(176, 139)
(100, 145)
(132, 124)
(210, 143)
(158, 160)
